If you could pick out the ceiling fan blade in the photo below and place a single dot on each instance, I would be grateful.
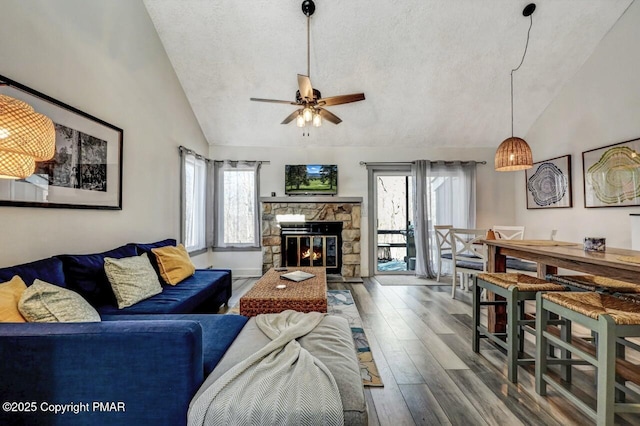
(330, 117)
(275, 101)
(292, 116)
(342, 99)
(304, 84)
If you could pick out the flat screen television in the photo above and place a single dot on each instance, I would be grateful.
(311, 179)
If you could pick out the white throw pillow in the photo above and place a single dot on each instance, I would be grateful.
(132, 279)
(44, 302)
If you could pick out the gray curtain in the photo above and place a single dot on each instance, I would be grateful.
(182, 196)
(210, 207)
(452, 188)
(421, 193)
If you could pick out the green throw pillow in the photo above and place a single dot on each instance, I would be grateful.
(132, 279)
(44, 302)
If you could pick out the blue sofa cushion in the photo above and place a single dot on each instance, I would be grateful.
(146, 248)
(179, 299)
(218, 332)
(48, 270)
(85, 273)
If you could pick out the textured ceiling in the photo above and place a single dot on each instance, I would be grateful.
(434, 72)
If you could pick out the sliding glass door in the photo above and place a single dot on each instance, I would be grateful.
(394, 251)
(450, 200)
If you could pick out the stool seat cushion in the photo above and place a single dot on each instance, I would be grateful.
(521, 281)
(595, 282)
(595, 304)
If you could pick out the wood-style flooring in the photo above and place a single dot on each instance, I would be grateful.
(421, 342)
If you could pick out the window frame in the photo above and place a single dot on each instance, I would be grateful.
(228, 166)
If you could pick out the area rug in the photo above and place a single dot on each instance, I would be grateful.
(406, 280)
(340, 303)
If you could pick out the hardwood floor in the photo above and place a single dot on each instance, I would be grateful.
(421, 342)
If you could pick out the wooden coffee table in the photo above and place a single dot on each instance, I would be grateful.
(305, 296)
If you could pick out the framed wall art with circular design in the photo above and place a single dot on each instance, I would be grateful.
(612, 175)
(548, 184)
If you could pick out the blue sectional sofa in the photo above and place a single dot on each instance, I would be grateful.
(140, 366)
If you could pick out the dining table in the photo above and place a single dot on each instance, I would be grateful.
(616, 263)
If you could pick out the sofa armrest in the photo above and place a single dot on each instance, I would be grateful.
(113, 372)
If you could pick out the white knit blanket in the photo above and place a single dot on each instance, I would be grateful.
(281, 384)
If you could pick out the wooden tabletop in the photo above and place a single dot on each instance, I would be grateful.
(569, 256)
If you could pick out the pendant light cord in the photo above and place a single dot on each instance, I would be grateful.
(518, 67)
(308, 44)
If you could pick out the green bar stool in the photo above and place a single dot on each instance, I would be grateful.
(515, 288)
(613, 320)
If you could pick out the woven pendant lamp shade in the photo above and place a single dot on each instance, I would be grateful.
(25, 137)
(16, 166)
(513, 154)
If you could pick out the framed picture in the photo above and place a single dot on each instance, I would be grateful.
(86, 170)
(548, 184)
(612, 175)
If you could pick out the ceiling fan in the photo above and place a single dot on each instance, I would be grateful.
(310, 100)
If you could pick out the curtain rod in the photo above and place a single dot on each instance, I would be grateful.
(202, 157)
(186, 150)
(242, 161)
(406, 163)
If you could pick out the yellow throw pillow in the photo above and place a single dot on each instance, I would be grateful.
(10, 293)
(174, 263)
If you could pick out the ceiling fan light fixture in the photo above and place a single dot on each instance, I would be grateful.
(317, 120)
(307, 114)
(300, 121)
(309, 100)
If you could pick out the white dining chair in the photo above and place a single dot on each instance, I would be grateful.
(469, 254)
(503, 232)
(443, 245)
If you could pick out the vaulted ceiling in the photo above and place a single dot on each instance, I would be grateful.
(434, 72)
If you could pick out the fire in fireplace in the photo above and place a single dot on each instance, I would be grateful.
(315, 255)
(312, 244)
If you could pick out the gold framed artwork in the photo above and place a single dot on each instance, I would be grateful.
(612, 175)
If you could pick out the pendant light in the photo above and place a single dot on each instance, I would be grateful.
(25, 137)
(514, 153)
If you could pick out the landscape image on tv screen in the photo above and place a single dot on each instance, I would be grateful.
(311, 179)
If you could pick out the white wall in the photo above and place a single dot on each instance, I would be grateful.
(599, 106)
(495, 190)
(104, 58)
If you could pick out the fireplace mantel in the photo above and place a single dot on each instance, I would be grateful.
(311, 199)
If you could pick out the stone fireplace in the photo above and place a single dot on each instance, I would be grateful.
(328, 221)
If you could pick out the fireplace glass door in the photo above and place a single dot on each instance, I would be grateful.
(312, 250)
